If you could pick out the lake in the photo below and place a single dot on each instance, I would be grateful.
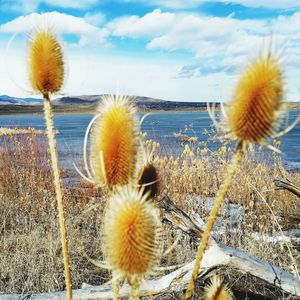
(159, 126)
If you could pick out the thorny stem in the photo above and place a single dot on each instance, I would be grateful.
(58, 191)
(116, 287)
(135, 288)
(220, 197)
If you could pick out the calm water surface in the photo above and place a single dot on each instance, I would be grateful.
(159, 126)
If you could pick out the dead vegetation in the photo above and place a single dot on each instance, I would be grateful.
(30, 247)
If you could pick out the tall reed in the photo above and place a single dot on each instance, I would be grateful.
(46, 75)
(252, 117)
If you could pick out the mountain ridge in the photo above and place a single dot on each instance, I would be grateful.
(143, 102)
(9, 100)
(88, 103)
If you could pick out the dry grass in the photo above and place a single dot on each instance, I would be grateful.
(199, 172)
(30, 246)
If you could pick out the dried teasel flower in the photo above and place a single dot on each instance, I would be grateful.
(216, 289)
(148, 180)
(254, 114)
(46, 65)
(114, 143)
(147, 177)
(251, 117)
(131, 234)
(46, 74)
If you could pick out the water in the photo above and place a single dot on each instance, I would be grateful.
(159, 126)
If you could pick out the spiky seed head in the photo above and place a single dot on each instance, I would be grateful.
(114, 142)
(148, 180)
(254, 109)
(131, 233)
(46, 66)
(217, 290)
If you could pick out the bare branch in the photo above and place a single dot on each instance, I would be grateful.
(287, 185)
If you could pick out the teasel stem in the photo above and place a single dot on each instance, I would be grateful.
(135, 288)
(58, 191)
(116, 287)
(220, 197)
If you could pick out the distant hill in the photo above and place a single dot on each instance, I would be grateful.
(7, 100)
(77, 100)
(88, 103)
(144, 103)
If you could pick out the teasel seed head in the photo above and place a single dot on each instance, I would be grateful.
(46, 65)
(253, 112)
(114, 142)
(217, 290)
(131, 233)
(148, 180)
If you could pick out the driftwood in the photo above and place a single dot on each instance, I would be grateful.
(179, 219)
(285, 184)
(217, 255)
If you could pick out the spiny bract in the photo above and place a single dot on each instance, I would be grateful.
(46, 66)
(253, 111)
(217, 290)
(131, 234)
(114, 142)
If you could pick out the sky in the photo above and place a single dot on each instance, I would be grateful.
(182, 50)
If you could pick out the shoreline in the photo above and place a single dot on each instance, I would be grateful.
(75, 109)
(91, 109)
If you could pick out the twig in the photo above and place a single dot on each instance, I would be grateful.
(287, 185)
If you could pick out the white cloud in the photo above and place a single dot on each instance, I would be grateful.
(102, 73)
(226, 42)
(288, 25)
(60, 23)
(29, 6)
(181, 4)
(80, 4)
(95, 18)
(221, 46)
(267, 3)
(97, 74)
(207, 36)
(218, 48)
(150, 24)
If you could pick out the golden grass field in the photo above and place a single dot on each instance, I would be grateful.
(30, 244)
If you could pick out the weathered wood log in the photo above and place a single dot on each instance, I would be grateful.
(285, 184)
(217, 255)
(178, 218)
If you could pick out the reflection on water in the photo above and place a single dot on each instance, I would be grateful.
(159, 126)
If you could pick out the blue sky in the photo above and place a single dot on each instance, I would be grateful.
(186, 50)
